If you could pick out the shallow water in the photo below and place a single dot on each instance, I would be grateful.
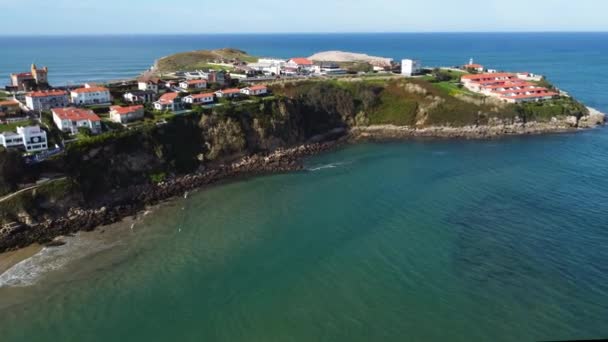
(449, 240)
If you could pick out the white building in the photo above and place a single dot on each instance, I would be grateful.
(90, 95)
(268, 66)
(139, 96)
(71, 119)
(150, 84)
(31, 138)
(200, 98)
(256, 90)
(169, 101)
(193, 84)
(45, 100)
(410, 67)
(125, 115)
(228, 93)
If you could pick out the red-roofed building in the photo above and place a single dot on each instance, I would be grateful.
(507, 87)
(229, 93)
(193, 84)
(71, 119)
(200, 98)
(256, 90)
(128, 114)
(149, 83)
(45, 100)
(91, 94)
(169, 101)
(300, 64)
(9, 108)
(35, 79)
(473, 66)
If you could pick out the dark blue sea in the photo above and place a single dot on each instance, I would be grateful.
(448, 240)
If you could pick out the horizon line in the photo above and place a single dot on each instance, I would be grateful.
(289, 33)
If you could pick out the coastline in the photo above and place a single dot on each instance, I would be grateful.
(134, 200)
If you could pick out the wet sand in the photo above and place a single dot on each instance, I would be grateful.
(10, 259)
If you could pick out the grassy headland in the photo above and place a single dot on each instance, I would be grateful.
(197, 60)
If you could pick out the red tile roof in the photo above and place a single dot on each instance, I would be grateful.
(473, 66)
(301, 61)
(201, 96)
(490, 76)
(75, 114)
(230, 91)
(126, 110)
(168, 98)
(9, 103)
(90, 90)
(23, 74)
(258, 87)
(47, 93)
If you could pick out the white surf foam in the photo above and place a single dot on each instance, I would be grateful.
(29, 271)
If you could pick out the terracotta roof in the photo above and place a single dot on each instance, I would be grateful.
(126, 110)
(75, 114)
(491, 76)
(301, 61)
(257, 87)
(201, 96)
(153, 80)
(90, 90)
(168, 98)
(230, 91)
(473, 66)
(9, 103)
(47, 93)
(23, 74)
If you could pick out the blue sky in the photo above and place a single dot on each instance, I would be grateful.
(277, 16)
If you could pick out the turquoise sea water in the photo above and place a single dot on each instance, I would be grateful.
(501, 240)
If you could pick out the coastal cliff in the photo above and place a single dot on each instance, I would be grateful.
(119, 173)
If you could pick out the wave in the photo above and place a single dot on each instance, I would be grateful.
(326, 166)
(29, 271)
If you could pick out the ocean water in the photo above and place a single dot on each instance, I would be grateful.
(421, 240)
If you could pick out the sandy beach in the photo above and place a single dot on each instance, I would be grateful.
(10, 259)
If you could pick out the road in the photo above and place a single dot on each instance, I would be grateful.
(9, 196)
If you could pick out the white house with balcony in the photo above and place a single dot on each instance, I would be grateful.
(205, 98)
(90, 95)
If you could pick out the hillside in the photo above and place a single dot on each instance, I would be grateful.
(196, 60)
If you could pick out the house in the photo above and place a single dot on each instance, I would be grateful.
(71, 119)
(301, 64)
(220, 77)
(528, 76)
(30, 138)
(9, 108)
(139, 96)
(193, 84)
(128, 114)
(228, 93)
(473, 66)
(506, 87)
(45, 100)
(326, 68)
(150, 84)
(169, 101)
(90, 94)
(256, 90)
(200, 98)
(35, 79)
(410, 67)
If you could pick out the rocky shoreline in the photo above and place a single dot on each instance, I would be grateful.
(495, 129)
(135, 199)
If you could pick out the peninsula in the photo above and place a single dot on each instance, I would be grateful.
(77, 158)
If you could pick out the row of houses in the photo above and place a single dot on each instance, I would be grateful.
(507, 87)
(48, 99)
(173, 102)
